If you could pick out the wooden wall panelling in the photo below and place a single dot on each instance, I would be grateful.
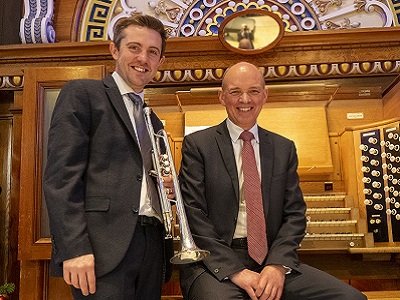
(10, 137)
(15, 58)
(391, 107)
(173, 122)
(308, 129)
(338, 109)
(336, 158)
(177, 144)
(58, 289)
(13, 264)
(349, 169)
(66, 18)
(362, 274)
(32, 280)
(5, 187)
(34, 247)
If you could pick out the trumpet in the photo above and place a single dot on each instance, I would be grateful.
(164, 166)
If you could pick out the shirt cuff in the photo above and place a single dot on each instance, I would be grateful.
(287, 269)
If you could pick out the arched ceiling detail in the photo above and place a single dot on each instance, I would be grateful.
(185, 18)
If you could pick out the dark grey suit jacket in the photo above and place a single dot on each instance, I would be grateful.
(93, 176)
(210, 189)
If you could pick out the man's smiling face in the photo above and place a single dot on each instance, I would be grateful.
(138, 57)
(243, 94)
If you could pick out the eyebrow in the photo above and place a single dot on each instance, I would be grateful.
(238, 88)
(141, 45)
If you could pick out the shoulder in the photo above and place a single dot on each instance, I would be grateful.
(77, 95)
(83, 84)
(89, 89)
(275, 138)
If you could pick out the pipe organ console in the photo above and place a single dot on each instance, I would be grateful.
(364, 212)
(377, 171)
(355, 222)
(381, 177)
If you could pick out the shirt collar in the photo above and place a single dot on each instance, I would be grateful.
(235, 131)
(123, 87)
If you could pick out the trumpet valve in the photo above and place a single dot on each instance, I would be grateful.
(165, 165)
(163, 157)
(166, 171)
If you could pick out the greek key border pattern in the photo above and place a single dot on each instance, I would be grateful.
(96, 20)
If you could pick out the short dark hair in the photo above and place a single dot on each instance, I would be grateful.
(141, 21)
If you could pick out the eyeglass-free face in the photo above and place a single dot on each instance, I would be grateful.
(243, 94)
(138, 57)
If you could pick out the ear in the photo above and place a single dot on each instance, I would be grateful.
(114, 50)
(221, 97)
(265, 95)
(162, 60)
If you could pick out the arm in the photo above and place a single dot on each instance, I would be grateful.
(292, 224)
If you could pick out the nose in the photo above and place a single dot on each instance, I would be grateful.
(244, 98)
(142, 55)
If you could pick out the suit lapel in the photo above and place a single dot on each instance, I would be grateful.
(225, 147)
(116, 100)
(266, 156)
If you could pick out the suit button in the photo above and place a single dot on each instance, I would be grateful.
(139, 177)
(216, 270)
(135, 210)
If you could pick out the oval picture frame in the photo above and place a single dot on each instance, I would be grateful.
(251, 31)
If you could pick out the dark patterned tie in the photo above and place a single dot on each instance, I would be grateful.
(256, 227)
(146, 149)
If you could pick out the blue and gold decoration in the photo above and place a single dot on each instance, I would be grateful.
(187, 18)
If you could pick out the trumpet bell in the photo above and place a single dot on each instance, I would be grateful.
(189, 256)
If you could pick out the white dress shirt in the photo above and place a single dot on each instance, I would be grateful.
(145, 204)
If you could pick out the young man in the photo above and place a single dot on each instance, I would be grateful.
(108, 240)
(221, 203)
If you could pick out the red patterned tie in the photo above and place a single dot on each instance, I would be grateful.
(256, 228)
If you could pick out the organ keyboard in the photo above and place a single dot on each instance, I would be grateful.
(332, 225)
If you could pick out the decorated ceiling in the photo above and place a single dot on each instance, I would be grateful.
(186, 18)
(202, 17)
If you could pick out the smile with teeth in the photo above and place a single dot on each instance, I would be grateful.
(140, 69)
(244, 109)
